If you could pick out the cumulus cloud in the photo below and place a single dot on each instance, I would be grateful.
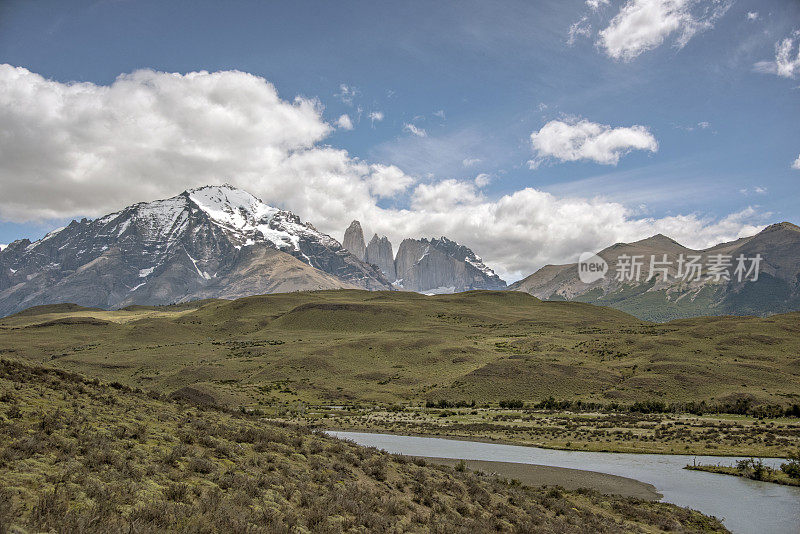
(752, 15)
(524, 230)
(388, 180)
(410, 128)
(83, 149)
(344, 122)
(787, 62)
(70, 150)
(580, 139)
(796, 164)
(642, 25)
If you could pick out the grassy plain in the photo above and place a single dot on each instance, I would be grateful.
(77, 455)
(286, 355)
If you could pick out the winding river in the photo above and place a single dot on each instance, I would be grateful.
(745, 506)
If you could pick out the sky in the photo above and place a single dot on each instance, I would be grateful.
(530, 131)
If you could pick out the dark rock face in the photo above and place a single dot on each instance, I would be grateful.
(442, 265)
(354, 240)
(175, 250)
(379, 252)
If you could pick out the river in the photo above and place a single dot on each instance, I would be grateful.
(745, 506)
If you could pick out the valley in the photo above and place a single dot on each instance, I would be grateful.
(500, 366)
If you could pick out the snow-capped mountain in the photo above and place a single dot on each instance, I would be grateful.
(215, 241)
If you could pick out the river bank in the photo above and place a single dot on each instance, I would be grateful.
(744, 505)
(569, 479)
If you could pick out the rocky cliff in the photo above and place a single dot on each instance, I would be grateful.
(379, 252)
(354, 240)
(442, 266)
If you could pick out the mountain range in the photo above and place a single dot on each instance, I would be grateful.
(675, 290)
(213, 241)
(223, 242)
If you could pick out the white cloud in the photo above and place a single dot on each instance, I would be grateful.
(482, 180)
(796, 164)
(752, 15)
(594, 5)
(419, 132)
(82, 149)
(787, 62)
(574, 140)
(344, 122)
(703, 125)
(581, 28)
(85, 150)
(469, 162)
(642, 25)
(445, 195)
(375, 116)
(347, 94)
(439, 114)
(388, 180)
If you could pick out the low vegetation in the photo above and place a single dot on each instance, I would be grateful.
(667, 433)
(470, 349)
(754, 469)
(79, 455)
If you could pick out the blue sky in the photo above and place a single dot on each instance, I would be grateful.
(476, 79)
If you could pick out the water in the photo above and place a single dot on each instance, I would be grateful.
(745, 506)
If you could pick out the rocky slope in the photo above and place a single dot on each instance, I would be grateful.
(674, 290)
(211, 241)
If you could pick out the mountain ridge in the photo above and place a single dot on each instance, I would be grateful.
(175, 249)
(776, 289)
(435, 265)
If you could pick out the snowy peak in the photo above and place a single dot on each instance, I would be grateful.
(176, 249)
(231, 207)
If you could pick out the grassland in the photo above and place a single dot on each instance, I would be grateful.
(287, 355)
(79, 455)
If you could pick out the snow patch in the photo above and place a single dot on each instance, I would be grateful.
(45, 238)
(144, 273)
(200, 273)
(137, 286)
(443, 290)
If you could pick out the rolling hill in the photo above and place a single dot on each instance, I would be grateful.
(350, 346)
